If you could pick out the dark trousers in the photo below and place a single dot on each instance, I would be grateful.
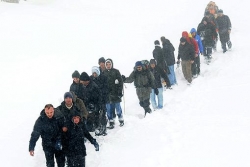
(59, 155)
(196, 66)
(76, 161)
(225, 39)
(208, 51)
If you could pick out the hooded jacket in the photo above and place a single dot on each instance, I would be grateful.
(191, 41)
(115, 83)
(198, 39)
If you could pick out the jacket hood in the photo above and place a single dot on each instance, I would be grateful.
(74, 96)
(193, 30)
(185, 35)
(111, 61)
(96, 70)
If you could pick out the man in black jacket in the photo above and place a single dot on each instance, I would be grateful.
(186, 54)
(76, 148)
(224, 25)
(75, 86)
(49, 126)
(115, 85)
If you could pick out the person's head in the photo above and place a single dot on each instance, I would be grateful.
(68, 98)
(152, 63)
(108, 64)
(49, 110)
(95, 71)
(101, 63)
(76, 119)
(76, 76)
(84, 78)
(163, 39)
(220, 13)
(138, 66)
(157, 42)
(183, 40)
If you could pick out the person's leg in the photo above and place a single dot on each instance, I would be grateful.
(160, 98)
(152, 99)
(184, 69)
(109, 114)
(119, 111)
(189, 71)
(198, 62)
(49, 155)
(60, 158)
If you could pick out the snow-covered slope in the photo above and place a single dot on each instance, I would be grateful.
(206, 124)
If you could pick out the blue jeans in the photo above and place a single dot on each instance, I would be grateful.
(159, 97)
(171, 76)
(110, 107)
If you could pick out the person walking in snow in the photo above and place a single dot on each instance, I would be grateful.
(115, 86)
(49, 126)
(75, 86)
(158, 74)
(102, 83)
(144, 83)
(196, 64)
(225, 26)
(186, 54)
(207, 33)
(92, 99)
(158, 56)
(76, 148)
(168, 54)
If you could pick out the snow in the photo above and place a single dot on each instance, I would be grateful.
(206, 124)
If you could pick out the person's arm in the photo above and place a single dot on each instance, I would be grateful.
(35, 136)
(130, 79)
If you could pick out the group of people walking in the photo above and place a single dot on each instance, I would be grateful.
(93, 101)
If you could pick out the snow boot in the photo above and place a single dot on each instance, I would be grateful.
(111, 125)
(121, 123)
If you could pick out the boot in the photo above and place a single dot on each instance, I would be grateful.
(111, 125)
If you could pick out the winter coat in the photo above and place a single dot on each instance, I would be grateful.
(186, 52)
(102, 83)
(115, 88)
(80, 106)
(49, 129)
(168, 52)
(208, 33)
(67, 113)
(191, 41)
(91, 96)
(76, 88)
(75, 135)
(158, 74)
(158, 56)
(224, 24)
(144, 81)
(198, 40)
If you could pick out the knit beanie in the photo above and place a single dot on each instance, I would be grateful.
(84, 76)
(68, 94)
(101, 60)
(96, 70)
(138, 63)
(157, 42)
(152, 61)
(183, 39)
(76, 74)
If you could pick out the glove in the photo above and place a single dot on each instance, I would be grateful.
(120, 96)
(96, 145)
(116, 81)
(58, 145)
(156, 91)
(123, 78)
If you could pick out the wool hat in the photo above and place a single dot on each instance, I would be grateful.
(68, 94)
(220, 11)
(101, 60)
(183, 39)
(152, 61)
(84, 76)
(76, 74)
(138, 63)
(157, 42)
(96, 70)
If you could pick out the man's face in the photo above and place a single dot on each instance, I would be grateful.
(49, 112)
(220, 14)
(68, 101)
(95, 75)
(76, 119)
(76, 80)
(108, 65)
(193, 34)
(152, 65)
(85, 83)
(139, 68)
(102, 65)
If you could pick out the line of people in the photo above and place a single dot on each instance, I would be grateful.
(94, 101)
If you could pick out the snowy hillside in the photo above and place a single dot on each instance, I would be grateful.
(206, 124)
